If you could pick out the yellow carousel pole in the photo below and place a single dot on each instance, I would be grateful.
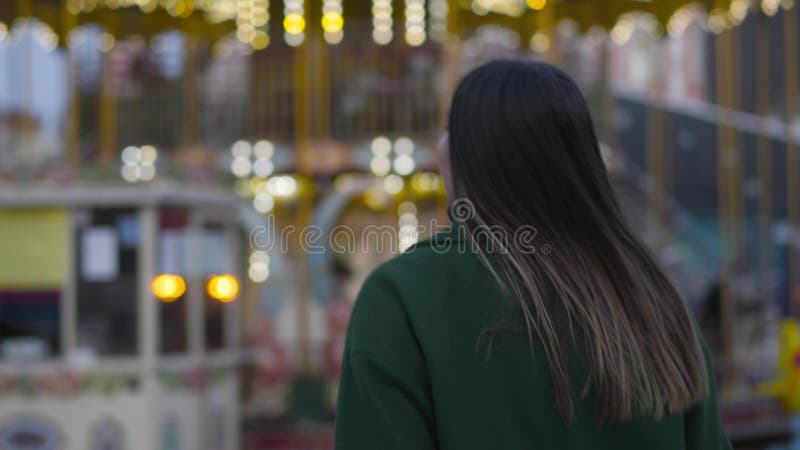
(25, 10)
(190, 116)
(107, 109)
(302, 128)
(68, 22)
(792, 158)
(722, 56)
(302, 124)
(451, 54)
(606, 95)
(322, 78)
(735, 166)
(546, 24)
(729, 197)
(655, 160)
(764, 153)
(606, 98)
(654, 147)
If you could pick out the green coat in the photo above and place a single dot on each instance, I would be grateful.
(416, 374)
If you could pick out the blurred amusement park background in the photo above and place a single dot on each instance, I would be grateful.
(149, 147)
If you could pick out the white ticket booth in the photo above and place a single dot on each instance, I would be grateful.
(120, 317)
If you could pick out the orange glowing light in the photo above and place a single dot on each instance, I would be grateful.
(168, 287)
(224, 288)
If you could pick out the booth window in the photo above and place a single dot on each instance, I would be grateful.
(173, 258)
(107, 247)
(33, 269)
(216, 259)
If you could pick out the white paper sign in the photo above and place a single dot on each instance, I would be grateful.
(215, 252)
(173, 251)
(99, 254)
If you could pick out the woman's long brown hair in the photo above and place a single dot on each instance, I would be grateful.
(524, 153)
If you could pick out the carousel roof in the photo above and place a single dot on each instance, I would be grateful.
(216, 18)
(528, 16)
(126, 17)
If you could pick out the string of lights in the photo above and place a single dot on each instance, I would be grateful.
(437, 10)
(415, 22)
(382, 21)
(332, 21)
(294, 22)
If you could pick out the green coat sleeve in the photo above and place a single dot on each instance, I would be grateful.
(384, 393)
(703, 425)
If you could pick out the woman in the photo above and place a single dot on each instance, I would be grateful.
(540, 321)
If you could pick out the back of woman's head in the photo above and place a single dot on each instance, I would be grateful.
(523, 150)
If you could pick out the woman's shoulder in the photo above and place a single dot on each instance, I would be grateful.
(419, 281)
(427, 264)
(449, 244)
(410, 294)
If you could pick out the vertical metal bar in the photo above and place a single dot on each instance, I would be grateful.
(723, 58)
(792, 157)
(107, 108)
(195, 297)
(654, 147)
(232, 310)
(304, 213)
(148, 308)
(68, 21)
(69, 290)
(302, 122)
(729, 173)
(148, 328)
(304, 159)
(24, 8)
(451, 55)
(190, 92)
(323, 73)
(764, 153)
(734, 162)
(606, 98)
(548, 25)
